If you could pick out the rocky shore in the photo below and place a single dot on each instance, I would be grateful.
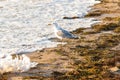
(95, 56)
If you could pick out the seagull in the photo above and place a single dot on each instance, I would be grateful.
(62, 33)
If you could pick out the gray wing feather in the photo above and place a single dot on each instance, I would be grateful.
(67, 34)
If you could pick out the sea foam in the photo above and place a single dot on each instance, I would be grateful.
(15, 63)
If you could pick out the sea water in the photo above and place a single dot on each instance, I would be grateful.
(27, 25)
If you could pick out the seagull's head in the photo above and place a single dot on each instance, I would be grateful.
(55, 23)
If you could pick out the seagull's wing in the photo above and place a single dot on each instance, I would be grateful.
(64, 34)
(67, 34)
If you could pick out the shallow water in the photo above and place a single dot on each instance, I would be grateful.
(26, 25)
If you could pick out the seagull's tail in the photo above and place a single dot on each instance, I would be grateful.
(76, 37)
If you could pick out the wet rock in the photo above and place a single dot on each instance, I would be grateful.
(74, 17)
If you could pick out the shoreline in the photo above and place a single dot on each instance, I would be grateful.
(84, 58)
